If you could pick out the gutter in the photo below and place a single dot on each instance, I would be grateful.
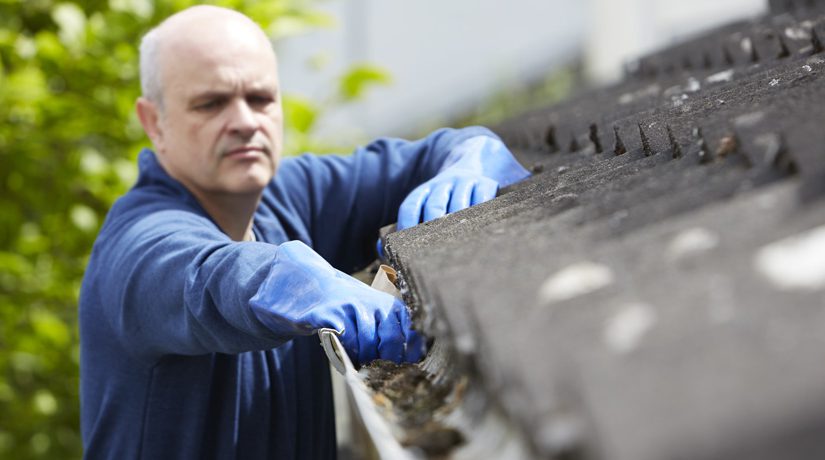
(422, 410)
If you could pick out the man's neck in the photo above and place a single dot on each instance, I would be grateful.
(233, 213)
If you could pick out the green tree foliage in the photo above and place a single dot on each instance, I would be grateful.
(68, 144)
(302, 114)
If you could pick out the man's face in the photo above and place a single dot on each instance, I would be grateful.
(220, 130)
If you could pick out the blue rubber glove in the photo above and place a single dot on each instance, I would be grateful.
(303, 293)
(472, 174)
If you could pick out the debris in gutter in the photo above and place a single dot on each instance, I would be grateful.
(411, 398)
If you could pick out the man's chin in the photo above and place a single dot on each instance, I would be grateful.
(252, 183)
(249, 179)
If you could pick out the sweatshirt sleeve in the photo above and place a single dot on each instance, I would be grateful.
(169, 281)
(343, 201)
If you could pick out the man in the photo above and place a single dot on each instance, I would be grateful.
(211, 274)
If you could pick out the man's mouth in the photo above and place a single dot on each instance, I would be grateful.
(252, 151)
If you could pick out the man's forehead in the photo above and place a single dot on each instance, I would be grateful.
(220, 69)
(224, 86)
(193, 83)
(214, 44)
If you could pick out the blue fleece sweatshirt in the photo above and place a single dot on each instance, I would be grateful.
(174, 363)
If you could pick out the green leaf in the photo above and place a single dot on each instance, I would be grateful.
(140, 8)
(83, 217)
(48, 327)
(25, 47)
(6, 441)
(6, 392)
(27, 85)
(291, 23)
(359, 78)
(48, 45)
(14, 265)
(45, 402)
(40, 443)
(72, 22)
(300, 113)
(25, 362)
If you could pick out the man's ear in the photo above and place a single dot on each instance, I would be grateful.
(149, 116)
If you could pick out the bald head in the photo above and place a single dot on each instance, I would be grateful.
(194, 32)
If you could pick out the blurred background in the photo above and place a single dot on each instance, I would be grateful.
(351, 71)
(447, 61)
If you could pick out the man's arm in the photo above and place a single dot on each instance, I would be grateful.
(344, 200)
(169, 282)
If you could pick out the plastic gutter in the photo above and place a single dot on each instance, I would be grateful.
(485, 432)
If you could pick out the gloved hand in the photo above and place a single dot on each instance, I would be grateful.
(472, 174)
(303, 293)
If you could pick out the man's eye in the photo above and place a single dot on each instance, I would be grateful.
(259, 101)
(209, 105)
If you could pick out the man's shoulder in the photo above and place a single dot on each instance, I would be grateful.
(140, 202)
(146, 213)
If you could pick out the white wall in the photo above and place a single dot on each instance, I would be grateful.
(622, 30)
(447, 55)
(444, 56)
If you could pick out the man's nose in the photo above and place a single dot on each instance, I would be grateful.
(242, 120)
